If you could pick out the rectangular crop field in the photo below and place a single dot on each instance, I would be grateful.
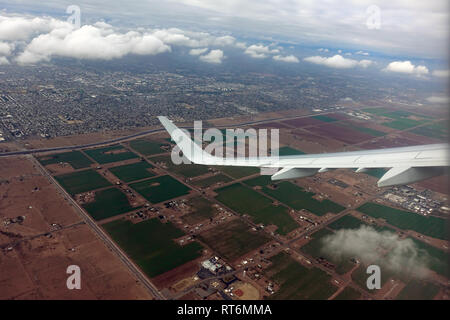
(298, 282)
(430, 226)
(233, 239)
(82, 181)
(147, 147)
(212, 180)
(203, 209)
(160, 189)
(297, 198)
(150, 244)
(244, 200)
(110, 154)
(75, 158)
(108, 203)
(134, 171)
(186, 170)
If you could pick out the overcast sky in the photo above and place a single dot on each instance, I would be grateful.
(415, 28)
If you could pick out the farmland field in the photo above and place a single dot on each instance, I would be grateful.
(348, 294)
(233, 239)
(110, 154)
(314, 249)
(134, 171)
(429, 226)
(160, 189)
(248, 201)
(258, 181)
(75, 158)
(433, 130)
(108, 203)
(341, 133)
(150, 244)
(146, 147)
(418, 290)
(187, 170)
(295, 197)
(237, 172)
(203, 210)
(203, 183)
(82, 181)
(298, 282)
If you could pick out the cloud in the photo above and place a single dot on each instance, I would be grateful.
(406, 67)
(338, 61)
(385, 248)
(441, 73)
(438, 99)
(260, 51)
(6, 48)
(323, 50)
(290, 58)
(14, 28)
(362, 53)
(90, 42)
(214, 56)
(3, 61)
(197, 52)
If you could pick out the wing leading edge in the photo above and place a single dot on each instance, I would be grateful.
(406, 164)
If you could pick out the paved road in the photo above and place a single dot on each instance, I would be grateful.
(103, 236)
(143, 133)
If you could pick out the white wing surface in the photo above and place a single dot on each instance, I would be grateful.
(406, 164)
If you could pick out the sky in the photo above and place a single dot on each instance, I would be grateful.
(344, 34)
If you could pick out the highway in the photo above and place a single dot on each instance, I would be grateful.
(102, 235)
(144, 133)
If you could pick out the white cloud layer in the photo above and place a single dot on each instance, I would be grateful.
(406, 67)
(214, 56)
(438, 99)
(441, 73)
(338, 61)
(197, 52)
(259, 51)
(290, 58)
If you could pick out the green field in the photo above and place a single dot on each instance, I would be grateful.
(295, 197)
(82, 181)
(248, 201)
(418, 290)
(150, 244)
(402, 124)
(203, 210)
(438, 260)
(146, 147)
(324, 118)
(346, 222)
(207, 182)
(134, 171)
(370, 131)
(437, 130)
(237, 172)
(110, 154)
(187, 170)
(348, 294)
(288, 151)
(108, 203)
(314, 249)
(298, 282)
(75, 158)
(233, 239)
(429, 226)
(160, 189)
(258, 181)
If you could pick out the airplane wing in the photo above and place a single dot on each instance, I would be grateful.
(406, 164)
